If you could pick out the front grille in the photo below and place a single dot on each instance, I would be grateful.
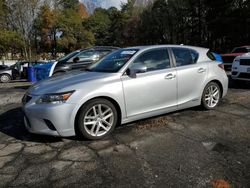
(245, 62)
(228, 59)
(26, 98)
(244, 75)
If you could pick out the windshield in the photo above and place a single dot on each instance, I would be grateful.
(114, 61)
(68, 56)
(241, 50)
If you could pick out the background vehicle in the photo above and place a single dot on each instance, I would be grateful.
(5, 74)
(126, 85)
(81, 59)
(229, 58)
(241, 67)
(20, 68)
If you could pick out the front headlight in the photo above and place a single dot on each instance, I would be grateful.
(54, 98)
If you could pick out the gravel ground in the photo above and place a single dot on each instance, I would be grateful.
(189, 148)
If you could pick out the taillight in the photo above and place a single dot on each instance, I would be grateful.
(221, 66)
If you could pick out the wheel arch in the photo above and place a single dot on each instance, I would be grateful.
(219, 84)
(113, 101)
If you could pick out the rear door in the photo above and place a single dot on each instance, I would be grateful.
(191, 75)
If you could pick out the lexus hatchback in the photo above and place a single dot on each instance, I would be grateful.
(127, 85)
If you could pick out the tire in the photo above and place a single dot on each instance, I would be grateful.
(5, 78)
(94, 125)
(211, 96)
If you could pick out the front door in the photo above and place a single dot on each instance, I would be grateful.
(154, 90)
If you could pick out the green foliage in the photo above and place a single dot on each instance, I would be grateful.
(69, 4)
(10, 41)
(98, 23)
(73, 34)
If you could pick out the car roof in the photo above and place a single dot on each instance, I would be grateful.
(101, 48)
(166, 45)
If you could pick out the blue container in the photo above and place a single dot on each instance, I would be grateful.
(31, 74)
(42, 71)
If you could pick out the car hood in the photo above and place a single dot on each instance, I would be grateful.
(244, 56)
(65, 82)
(231, 54)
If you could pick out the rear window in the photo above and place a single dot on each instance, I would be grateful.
(211, 56)
(185, 56)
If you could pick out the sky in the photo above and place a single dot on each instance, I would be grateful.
(114, 3)
(91, 4)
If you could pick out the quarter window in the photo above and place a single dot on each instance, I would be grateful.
(185, 56)
(156, 59)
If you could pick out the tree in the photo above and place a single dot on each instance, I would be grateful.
(82, 11)
(74, 35)
(10, 41)
(20, 16)
(46, 26)
(99, 23)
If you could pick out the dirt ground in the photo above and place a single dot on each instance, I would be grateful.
(189, 148)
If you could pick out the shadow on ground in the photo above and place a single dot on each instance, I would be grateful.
(238, 84)
(22, 87)
(11, 124)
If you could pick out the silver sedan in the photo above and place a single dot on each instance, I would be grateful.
(127, 85)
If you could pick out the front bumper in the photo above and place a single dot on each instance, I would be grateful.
(241, 73)
(49, 119)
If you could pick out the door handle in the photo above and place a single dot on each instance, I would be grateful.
(170, 76)
(201, 70)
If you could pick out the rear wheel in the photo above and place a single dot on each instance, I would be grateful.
(97, 119)
(211, 96)
(5, 78)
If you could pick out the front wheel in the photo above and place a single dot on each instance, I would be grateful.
(211, 96)
(97, 119)
(5, 78)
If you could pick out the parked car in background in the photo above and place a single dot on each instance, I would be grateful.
(127, 85)
(20, 68)
(81, 59)
(241, 67)
(229, 58)
(5, 74)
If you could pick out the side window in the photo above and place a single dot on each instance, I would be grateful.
(103, 53)
(86, 54)
(195, 56)
(183, 56)
(211, 56)
(156, 59)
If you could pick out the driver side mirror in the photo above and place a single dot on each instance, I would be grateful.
(76, 59)
(136, 68)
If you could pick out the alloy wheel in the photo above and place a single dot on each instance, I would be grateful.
(212, 96)
(98, 120)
